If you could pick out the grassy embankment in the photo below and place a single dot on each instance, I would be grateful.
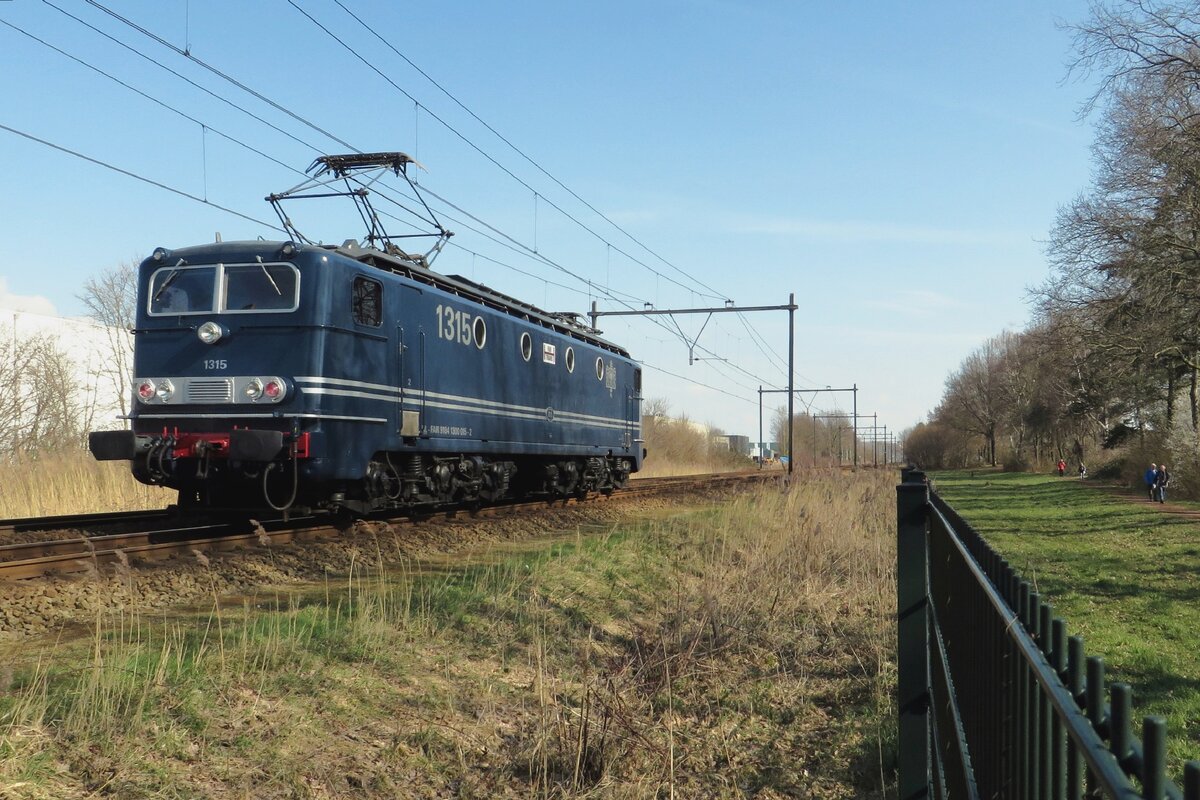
(1120, 571)
(72, 482)
(735, 650)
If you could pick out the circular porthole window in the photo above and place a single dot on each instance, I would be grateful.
(570, 359)
(480, 331)
(599, 369)
(526, 346)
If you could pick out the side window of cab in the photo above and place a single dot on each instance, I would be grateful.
(366, 299)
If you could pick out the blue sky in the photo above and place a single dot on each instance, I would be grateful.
(897, 166)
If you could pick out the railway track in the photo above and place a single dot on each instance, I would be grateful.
(81, 521)
(90, 551)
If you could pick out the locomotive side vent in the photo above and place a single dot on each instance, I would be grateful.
(209, 390)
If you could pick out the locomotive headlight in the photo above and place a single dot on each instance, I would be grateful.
(253, 390)
(145, 391)
(210, 332)
(164, 390)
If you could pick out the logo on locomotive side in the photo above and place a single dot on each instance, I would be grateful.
(610, 377)
(549, 353)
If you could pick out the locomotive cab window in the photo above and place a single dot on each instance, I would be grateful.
(367, 302)
(224, 289)
(261, 287)
(637, 381)
(182, 290)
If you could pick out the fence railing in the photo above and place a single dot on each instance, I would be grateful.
(995, 699)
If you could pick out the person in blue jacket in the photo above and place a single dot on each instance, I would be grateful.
(1151, 478)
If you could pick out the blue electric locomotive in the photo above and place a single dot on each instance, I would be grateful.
(291, 374)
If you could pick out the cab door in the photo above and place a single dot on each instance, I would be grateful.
(633, 410)
(410, 364)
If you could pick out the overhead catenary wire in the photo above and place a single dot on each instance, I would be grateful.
(523, 154)
(765, 349)
(746, 400)
(522, 247)
(250, 218)
(152, 99)
(529, 252)
(142, 178)
(278, 162)
(247, 217)
(466, 140)
(182, 77)
(205, 65)
(305, 121)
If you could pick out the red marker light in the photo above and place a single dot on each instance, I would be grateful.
(146, 390)
(273, 389)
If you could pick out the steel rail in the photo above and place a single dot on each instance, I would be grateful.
(70, 521)
(25, 560)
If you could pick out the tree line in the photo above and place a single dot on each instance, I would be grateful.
(1107, 372)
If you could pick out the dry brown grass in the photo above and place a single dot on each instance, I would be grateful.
(72, 482)
(738, 650)
(675, 448)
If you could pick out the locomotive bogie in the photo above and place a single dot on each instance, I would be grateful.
(270, 374)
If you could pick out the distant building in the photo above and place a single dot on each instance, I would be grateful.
(737, 444)
(89, 347)
(769, 449)
(740, 445)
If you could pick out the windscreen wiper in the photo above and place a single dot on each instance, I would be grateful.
(263, 267)
(170, 279)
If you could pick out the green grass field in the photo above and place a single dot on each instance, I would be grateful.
(1124, 574)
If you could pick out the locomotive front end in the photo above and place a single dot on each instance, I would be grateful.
(221, 331)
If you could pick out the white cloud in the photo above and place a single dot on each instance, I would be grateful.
(29, 303)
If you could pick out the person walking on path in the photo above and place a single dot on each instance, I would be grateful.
(1160, 483)
(1082, 471)
(1151, 478)
(1062, 468)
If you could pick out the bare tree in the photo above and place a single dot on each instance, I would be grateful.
(1116, 346)
(973, 402)
(111, 299)
(43, 405)
(933, 445)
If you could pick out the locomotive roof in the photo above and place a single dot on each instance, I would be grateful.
(565, 324)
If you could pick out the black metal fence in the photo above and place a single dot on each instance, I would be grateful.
(995, 699)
